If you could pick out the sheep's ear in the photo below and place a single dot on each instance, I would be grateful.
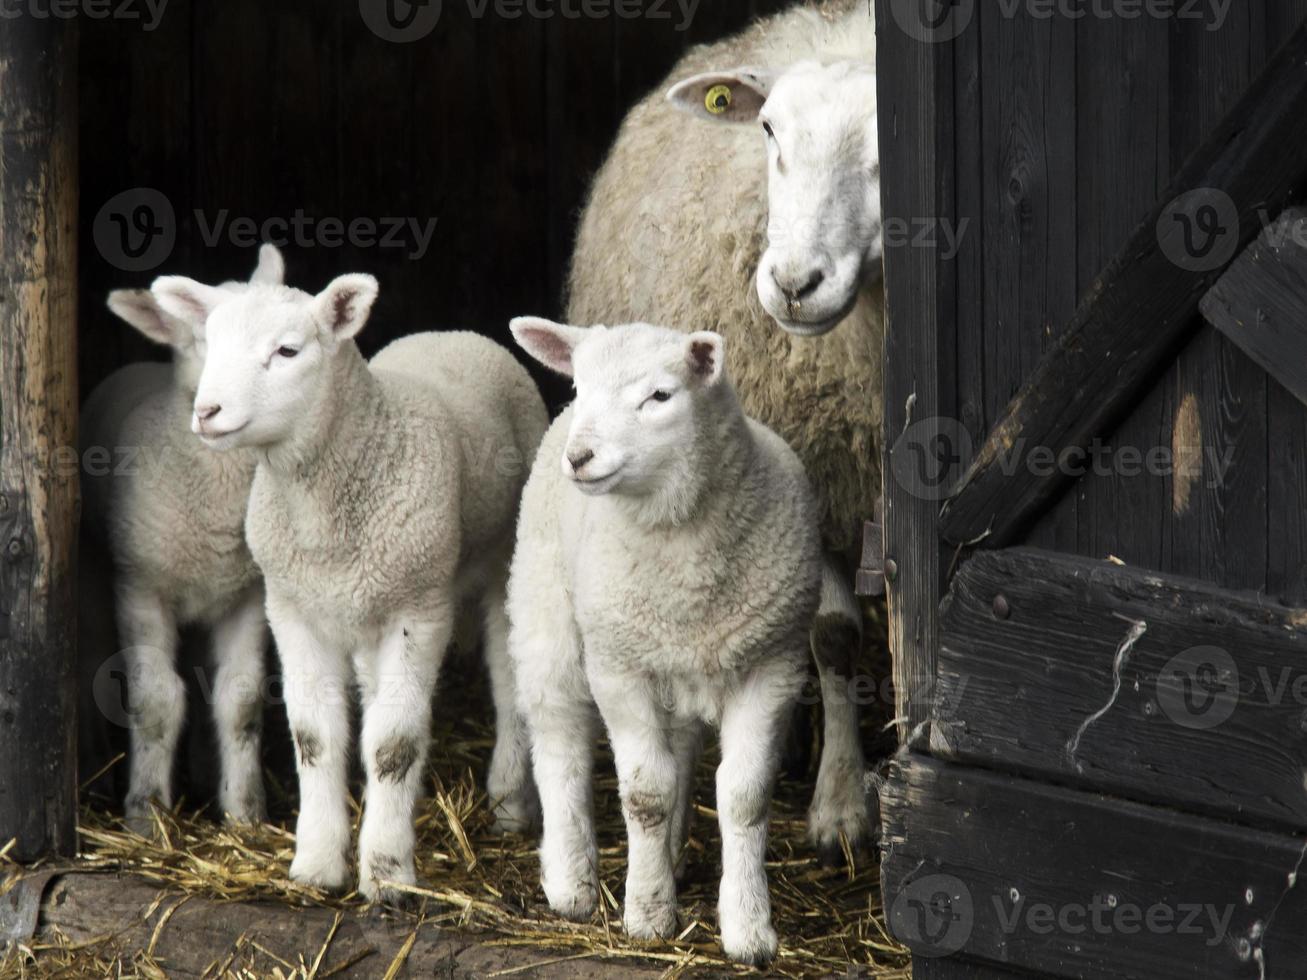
(343, 307)
(552, 344)
(272, 267)
(185, 299)
(729, 96)
(705, 353)
(139, 308)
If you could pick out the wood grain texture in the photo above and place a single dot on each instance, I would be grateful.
(915, 112)
(1104, 708)
(1073, 884)
(38, 430)
(1133, 318)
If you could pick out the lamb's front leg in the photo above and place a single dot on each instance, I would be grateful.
(754, 720)
(648, 782)
(396, 733)
(238, 645)
(315, 677)
(156, 698)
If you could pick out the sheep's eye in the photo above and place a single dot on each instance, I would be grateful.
(660, 396)
(771, 133)
(287, 352)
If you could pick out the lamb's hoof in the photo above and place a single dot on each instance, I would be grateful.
(252, 815)
(142, 824)
(327, 874)
(572, 900)
(829, 827)
(754, 944)
(378, 877)
(651, 920)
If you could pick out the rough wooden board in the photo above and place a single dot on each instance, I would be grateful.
(1136, 314)
(972, 859)
(190, 934)
(38, 429)
(1261, 301)
(915, 112)
(1064, 685)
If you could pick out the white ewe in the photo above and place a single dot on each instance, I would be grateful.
(668, 570)
(172, 514)
(384, 496)
(736, 228)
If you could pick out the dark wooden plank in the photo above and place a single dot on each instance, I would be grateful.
(956, 968)
(1261, 301)
(38, 429)
(1027, 231)
(1142, 306)
(1142, 685)
(1218, 496)
(1123, 109)
(915, 111)
(1055, 880)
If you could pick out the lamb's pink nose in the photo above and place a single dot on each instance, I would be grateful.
(579, 459)
(206, 413)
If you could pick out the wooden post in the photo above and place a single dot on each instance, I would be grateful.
(915, 112)
(38, 421)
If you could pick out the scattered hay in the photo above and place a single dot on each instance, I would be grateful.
(830, 920)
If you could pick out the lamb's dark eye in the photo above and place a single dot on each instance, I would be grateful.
(660, 396)
(766, 128)
(286, 352)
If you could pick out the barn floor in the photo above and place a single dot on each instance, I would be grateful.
(207, 901)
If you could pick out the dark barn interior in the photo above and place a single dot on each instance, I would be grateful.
(490, 125)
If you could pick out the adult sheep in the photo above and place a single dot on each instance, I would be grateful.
(765, 226)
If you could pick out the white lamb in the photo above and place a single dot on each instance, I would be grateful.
(172, 514)
(668, 571)
(763, 222)
(384, 496)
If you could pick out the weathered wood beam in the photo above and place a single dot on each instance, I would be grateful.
(38, 418)
(1261, 301)
(1137, 313)
(1147, 686)
(192, 936)
(915, 109)
(1074, 884)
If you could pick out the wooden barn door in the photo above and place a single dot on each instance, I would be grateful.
(1095, 527)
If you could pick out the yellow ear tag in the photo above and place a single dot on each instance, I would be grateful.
(718, 99)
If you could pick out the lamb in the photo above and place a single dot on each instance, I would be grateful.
(774, 219)
(668, 572)
(171, 514)
(384, 495)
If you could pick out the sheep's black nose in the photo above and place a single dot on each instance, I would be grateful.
(205, 412)
(795, 289)
(578, 460)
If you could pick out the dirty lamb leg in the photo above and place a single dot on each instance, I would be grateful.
(239, 640)
(839, 807)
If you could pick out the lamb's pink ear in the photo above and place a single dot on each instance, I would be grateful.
(549, 343)
(139, 308)
(705, 353)
(343, 307)
(272, 267)
(729, 96)
(185, 299)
